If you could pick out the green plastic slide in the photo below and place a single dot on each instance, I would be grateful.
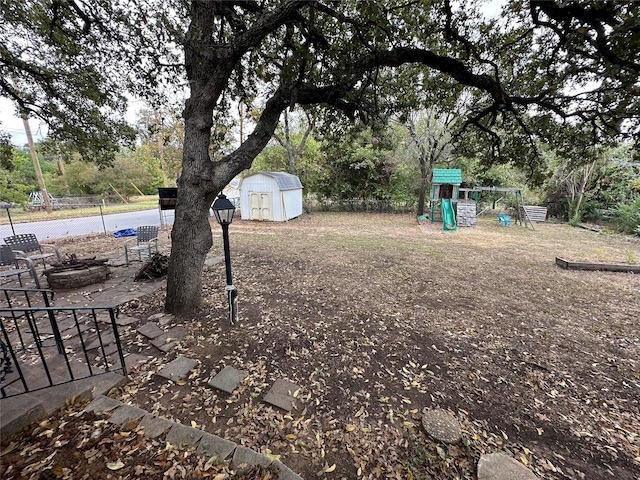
(448, 216)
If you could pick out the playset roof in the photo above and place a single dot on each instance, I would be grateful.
(447, 175)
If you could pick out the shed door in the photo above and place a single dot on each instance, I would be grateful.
(261, 204)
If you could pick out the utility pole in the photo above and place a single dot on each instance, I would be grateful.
(36, 164)
(34, 154)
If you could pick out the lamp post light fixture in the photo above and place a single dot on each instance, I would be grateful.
(223, 210)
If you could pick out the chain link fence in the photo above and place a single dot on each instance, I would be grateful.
(79, 216)
(311, 204)
(72, 219)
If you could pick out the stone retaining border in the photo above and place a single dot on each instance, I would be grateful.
(206, 444)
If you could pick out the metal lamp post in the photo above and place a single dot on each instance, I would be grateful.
(223, 209)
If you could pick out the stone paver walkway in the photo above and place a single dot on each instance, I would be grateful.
(227, 379)
(442, 426)
(177, 369)
(282, 394)
(498, 466)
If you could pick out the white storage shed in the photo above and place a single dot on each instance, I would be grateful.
(273, 196)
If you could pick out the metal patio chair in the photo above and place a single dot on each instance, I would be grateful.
(8, 259)
(26, 245)
(146, 240)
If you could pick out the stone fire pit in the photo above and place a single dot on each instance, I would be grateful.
(77, 272)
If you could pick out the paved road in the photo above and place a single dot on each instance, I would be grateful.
(69, 227)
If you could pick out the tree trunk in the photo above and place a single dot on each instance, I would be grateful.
(293, 152)
(191, 234)
(587, 170)
(581, 190)
(163, 165)
(424, 181)
(425, 166)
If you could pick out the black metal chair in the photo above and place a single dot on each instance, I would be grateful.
(26, 245)
(8, 259)
(146, 240)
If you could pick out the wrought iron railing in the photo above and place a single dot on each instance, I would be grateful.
(45, 345)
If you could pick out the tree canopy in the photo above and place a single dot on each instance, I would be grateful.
(71, 63)
(562, 72)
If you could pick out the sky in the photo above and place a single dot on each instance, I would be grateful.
(13, 125)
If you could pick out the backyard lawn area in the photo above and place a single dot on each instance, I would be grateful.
(378, 318)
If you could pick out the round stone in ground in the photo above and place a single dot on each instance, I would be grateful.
(442, 426)
(497, 466)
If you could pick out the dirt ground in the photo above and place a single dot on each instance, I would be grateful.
(378, 318)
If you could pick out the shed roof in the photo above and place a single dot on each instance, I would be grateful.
(285, 181)
(447, 175)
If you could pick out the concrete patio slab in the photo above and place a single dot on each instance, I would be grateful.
(168, 338)
(124, 320)
(107, 339)
(285, 472)
(133, 361)
(17, 413)
(103, 405)
(124, 413)
(245, 459)
(498, 466)
(154, 426)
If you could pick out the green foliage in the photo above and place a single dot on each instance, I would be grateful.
(612, 182)
(147, 156)
(358, 165)
(21, 178)
(476, 173)
(627, 216)
(6, 151)
(310, 165)
(615, 184)
(88, 179)
(576, 219)
(10, 191)
(272, 159)
(161, 135)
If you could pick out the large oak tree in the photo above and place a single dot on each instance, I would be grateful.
(537, 68)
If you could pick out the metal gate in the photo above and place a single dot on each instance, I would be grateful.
(43, 345)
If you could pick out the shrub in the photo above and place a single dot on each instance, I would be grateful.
(627, 217)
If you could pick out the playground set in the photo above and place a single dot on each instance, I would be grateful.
(447, 197)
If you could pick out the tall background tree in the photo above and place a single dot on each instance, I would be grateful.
(161, 134)
(430, 141)
(286, 140)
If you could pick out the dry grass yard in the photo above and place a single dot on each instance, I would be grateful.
(378, 318)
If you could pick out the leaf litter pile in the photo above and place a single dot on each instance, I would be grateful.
(377, 319)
